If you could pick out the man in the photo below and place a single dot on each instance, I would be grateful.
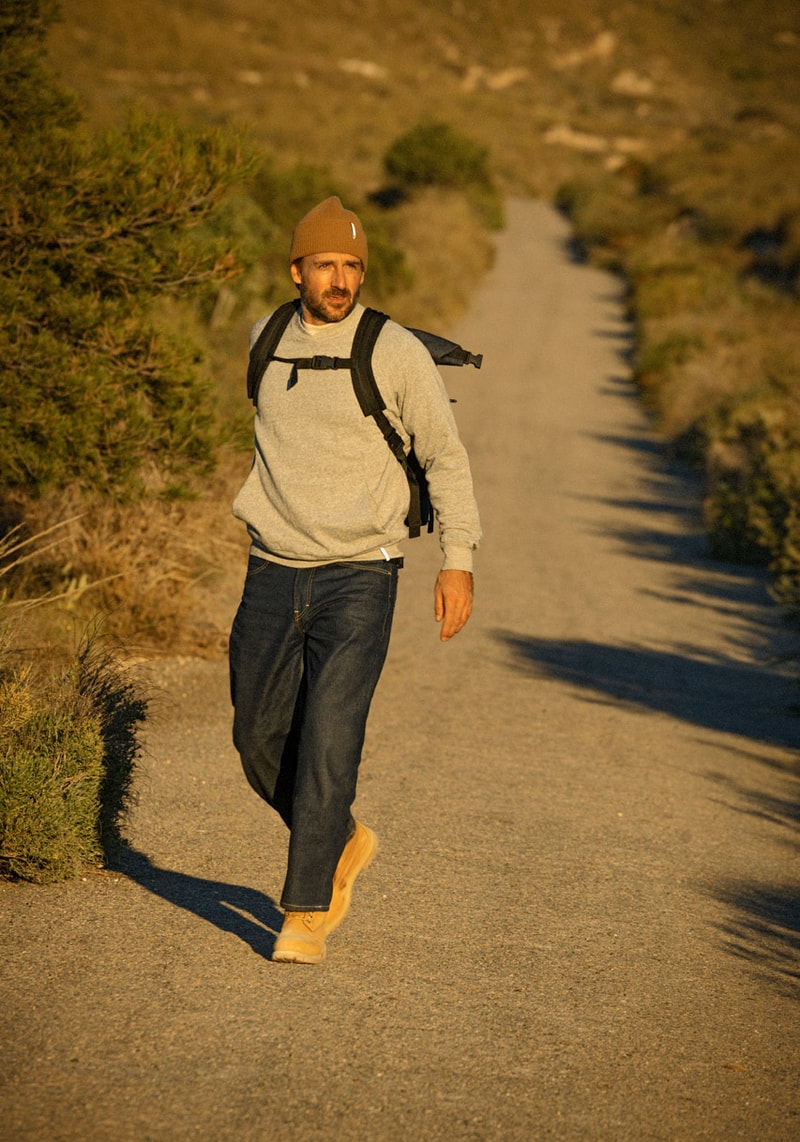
(324, 505)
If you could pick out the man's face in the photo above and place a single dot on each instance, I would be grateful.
(329, 285)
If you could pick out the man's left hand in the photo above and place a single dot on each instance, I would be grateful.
(453, 601)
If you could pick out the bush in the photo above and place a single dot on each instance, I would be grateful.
(434, 154)
(67, 752)
(91, 231)
(68, 746)
(50, 780)
(752, 508)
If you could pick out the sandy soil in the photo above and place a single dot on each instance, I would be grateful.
(583, 923)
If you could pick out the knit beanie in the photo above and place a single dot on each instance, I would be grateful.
(329, 229)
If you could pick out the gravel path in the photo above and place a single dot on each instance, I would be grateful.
(583, 922)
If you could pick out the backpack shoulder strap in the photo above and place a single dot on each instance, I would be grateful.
(267, 342)
(372, 404)
(364, 384)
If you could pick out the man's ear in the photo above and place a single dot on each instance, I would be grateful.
(295, 272)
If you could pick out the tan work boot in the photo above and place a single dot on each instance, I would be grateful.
(357, 855)
(302, 938)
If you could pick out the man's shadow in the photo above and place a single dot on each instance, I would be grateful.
(251, 915)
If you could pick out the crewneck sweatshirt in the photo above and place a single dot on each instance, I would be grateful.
(324, 486)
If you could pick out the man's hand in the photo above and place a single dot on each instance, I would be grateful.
(453, 601)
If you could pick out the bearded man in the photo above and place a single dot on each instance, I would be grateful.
(325, 503)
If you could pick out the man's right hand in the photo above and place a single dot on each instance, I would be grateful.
(453, 596)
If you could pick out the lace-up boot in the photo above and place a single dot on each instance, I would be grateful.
(302, 938)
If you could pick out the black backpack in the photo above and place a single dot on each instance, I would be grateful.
(443, 352)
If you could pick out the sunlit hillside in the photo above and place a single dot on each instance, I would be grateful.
(539, 83)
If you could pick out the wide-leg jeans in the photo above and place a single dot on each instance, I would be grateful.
(306, 651)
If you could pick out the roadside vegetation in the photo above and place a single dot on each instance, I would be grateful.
(68, 743)
(713, 292)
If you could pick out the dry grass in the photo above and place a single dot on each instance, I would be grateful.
(448, 252)
(160, 574)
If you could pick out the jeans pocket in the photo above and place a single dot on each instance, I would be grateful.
(380, 566)
(256, 565)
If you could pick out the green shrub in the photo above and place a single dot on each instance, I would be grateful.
(91, 231)
(435, 154)
(67, 753)
(50, 777)
(68, 743)
(752, 508)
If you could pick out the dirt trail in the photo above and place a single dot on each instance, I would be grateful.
(583, 923)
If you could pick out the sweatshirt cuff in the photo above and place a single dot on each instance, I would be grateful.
(458, 559)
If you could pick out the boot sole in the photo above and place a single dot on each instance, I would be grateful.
(290, 957)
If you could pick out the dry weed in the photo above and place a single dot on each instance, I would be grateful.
(161, 573)
(448, 251)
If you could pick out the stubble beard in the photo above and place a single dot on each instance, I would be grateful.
(327, 306)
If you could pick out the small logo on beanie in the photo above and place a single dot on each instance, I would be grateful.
(353, 228)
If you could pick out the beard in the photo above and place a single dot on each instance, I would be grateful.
(329, 305)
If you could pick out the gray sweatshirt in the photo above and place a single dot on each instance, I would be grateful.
(324, 486)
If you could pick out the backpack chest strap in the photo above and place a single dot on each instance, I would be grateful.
(318, 362)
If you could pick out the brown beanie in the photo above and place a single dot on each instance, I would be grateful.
(329, 229)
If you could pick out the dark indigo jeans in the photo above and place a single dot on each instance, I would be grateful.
(306, 652)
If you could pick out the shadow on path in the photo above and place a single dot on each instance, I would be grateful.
(670, 495)
(247, 913)
(780, 806)
(764, 925)
(713, 692)
(717, 694)
(764, 931)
